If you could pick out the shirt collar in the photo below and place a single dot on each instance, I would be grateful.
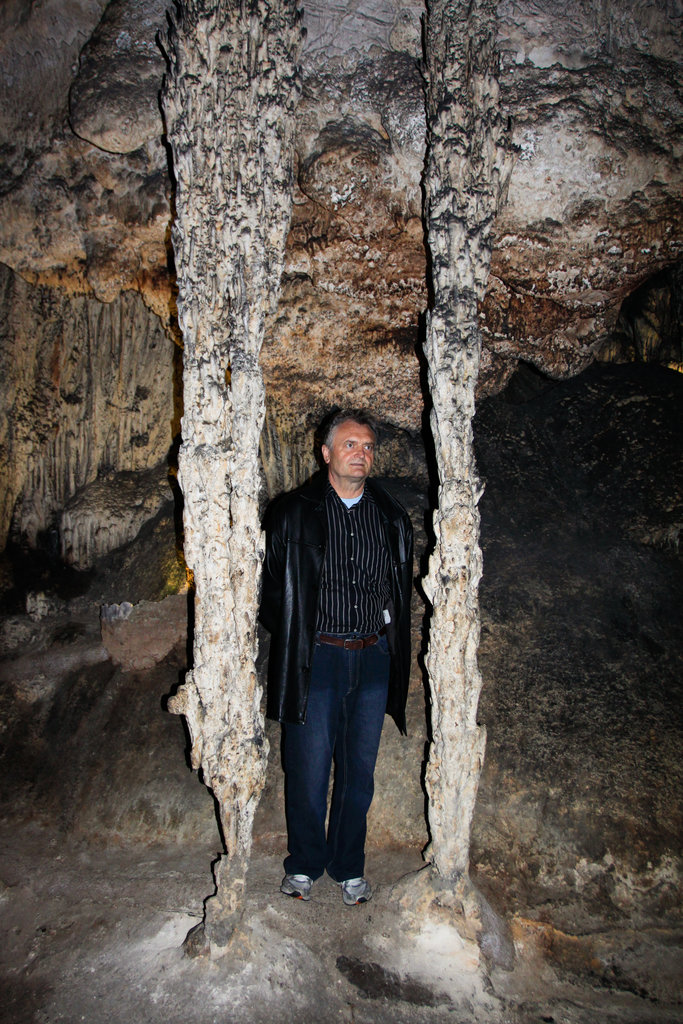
(365, 496)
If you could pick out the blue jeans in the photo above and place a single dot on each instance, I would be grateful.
(346, 705)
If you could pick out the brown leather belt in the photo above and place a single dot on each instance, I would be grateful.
(355, 643)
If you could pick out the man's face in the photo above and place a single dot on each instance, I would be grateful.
(350, 455)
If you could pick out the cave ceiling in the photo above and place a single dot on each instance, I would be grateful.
(593, 210)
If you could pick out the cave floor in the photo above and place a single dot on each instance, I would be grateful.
(95, 934)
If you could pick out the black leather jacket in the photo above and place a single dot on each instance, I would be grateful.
(296, 530)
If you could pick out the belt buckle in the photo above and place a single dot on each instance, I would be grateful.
(353, 644)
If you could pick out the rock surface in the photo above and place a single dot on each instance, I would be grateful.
(581, 645)
(593, 207)
(114, 99)
(140, 636)
(88, 396)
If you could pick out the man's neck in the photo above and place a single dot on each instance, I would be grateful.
(346, 488)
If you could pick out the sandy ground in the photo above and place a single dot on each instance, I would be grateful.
(96, 935)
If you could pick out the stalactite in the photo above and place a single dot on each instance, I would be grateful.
(229, 100)
(467, 169)
(87, 390)
(287, 454)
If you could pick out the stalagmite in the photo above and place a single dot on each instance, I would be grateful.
(467, 169)
(229, 100)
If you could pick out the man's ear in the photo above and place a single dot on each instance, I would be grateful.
(325, 452)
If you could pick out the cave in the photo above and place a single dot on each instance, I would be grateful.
(108, 835)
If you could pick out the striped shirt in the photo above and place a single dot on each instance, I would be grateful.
(355, 581)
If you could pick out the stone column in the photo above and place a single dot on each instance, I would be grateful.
(467, 170)
(229, 101)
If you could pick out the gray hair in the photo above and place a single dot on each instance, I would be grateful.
(341, 416)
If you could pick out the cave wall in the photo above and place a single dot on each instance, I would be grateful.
(87, 417)
(593, 211)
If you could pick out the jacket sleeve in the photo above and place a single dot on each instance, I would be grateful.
(273, 573)
(406, 580)
(409, 552)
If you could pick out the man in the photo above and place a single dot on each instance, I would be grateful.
(337, 581)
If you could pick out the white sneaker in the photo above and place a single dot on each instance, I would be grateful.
(356, 890)
(298, 886)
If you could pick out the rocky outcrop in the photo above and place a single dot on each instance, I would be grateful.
(581, 648)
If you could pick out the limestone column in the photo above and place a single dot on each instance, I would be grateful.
(466, 174)
(229, 100)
